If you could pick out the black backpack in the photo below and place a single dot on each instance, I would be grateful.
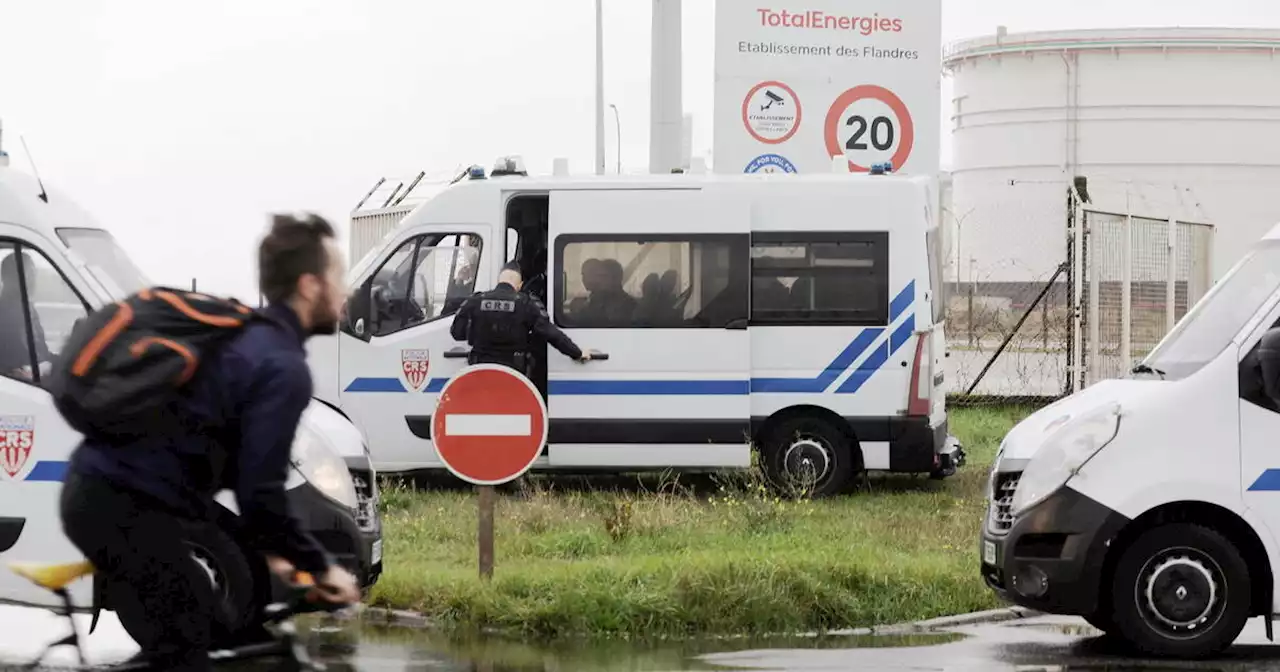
(125, 363)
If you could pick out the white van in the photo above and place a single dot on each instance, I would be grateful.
(1150, 505)
(74, 267)
(799, 313)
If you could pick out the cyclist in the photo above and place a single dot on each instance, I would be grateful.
(126, 504)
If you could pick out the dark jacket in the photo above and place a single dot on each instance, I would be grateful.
(234, 429)
(499, 323)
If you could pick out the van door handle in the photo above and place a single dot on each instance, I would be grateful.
(596, 355)
(738, 324)
(457, 353)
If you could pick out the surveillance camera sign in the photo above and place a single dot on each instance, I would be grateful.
(820, 79)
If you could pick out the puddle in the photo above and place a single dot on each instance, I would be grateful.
(1071, 629)
(371, 647)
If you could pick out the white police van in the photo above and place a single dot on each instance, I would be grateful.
(71, 267)
(1150, 505)
(798, 314)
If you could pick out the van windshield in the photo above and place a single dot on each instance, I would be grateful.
(1216, 319)
(106, 260)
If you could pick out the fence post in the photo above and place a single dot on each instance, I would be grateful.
(1094, 326)
(1126, 297)
(1169, 295)
(1077, 259)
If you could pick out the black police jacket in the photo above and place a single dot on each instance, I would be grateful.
(499, 323)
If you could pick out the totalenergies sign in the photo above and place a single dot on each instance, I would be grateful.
(800, 82)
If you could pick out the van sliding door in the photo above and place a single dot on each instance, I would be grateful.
(658, 280)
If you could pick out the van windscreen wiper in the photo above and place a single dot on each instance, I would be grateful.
(1143, 368)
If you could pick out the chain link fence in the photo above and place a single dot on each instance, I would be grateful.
(1012, 342)
(1137, 286)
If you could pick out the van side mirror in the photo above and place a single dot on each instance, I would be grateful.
(357, 310)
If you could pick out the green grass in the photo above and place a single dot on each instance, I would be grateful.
(730, 559)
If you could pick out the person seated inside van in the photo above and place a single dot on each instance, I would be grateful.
(657, 304)
(15, 356)
(607, 303)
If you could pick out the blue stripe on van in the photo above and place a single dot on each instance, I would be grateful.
(376, 385)
(902, 301)
(823, 380)
(49, 471)
(650, 387)
(1268, 481)
(818, 384)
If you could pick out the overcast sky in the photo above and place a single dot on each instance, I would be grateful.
(180, 124)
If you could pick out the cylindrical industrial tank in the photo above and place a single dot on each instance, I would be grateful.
(1164, 122)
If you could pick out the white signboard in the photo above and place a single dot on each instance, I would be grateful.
(801, 81)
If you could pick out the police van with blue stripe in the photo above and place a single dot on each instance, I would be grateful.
(797, 318)
(56, 266)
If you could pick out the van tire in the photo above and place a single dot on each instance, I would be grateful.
(811, 441)
(1185, 566)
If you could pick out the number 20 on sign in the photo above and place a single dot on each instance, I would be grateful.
(869, 124)
(489, 428)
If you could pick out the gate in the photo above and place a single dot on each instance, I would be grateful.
(1138, 277)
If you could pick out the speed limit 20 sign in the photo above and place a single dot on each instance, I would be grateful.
(869, 124)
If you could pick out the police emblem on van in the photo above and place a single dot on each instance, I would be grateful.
(17, 438)
(414, 365)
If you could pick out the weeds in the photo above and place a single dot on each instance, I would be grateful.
(694, 554)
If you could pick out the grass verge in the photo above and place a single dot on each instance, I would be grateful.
(679, 562)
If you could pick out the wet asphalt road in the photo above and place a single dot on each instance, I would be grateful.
(1040, 643)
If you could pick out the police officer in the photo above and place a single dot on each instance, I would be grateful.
(499, 323)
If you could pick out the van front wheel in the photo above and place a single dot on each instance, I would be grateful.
(1181, 590)
(807, 455)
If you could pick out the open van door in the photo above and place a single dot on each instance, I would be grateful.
(658, 280)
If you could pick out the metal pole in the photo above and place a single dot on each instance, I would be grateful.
(1077, 256)
(617, 125)
(599, 87)
(1169, 315)
(1126, 297)
(486, 531)
(1094, 326)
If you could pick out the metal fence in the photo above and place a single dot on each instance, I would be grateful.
(1049, 336)
(1141, 276)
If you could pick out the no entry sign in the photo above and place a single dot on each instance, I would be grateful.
(490, 424)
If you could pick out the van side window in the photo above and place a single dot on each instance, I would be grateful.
(829, 278)
(656, 282)
(36, 322)
(426, 278)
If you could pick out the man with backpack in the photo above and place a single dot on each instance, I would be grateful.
(147, 470)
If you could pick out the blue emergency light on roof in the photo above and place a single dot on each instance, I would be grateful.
(476, 172)
(881, 168)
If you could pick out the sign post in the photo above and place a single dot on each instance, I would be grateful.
(489, 428)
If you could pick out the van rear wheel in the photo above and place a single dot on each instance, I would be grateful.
(808, 455)
(1181, 590)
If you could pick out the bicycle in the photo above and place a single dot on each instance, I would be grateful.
(277, 618)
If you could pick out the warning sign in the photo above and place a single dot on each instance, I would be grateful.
(869, 124)
(17, 438)
(771, 112)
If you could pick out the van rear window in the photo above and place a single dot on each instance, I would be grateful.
(823, 278)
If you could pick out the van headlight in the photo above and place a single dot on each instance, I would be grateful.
(323, 467)
(1068, 448)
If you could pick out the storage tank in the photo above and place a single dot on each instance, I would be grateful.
(1164, 122)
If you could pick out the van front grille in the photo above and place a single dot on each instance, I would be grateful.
(1000, 518)
(366, 500)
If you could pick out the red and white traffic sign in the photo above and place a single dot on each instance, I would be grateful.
(869, 124)
(489, 425)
